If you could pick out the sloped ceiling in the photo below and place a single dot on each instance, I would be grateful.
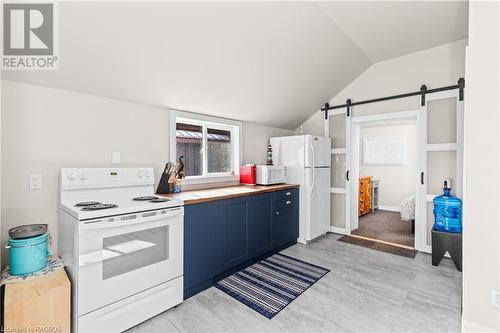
(273, 63)
(388, 29)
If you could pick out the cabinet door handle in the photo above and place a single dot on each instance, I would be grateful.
(277, 213)
(422, 178)
(288, 202)
(288, 194)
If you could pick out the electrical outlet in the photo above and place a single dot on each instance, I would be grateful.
(495, 298)
(35, 182)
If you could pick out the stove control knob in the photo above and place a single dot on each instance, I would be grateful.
(72, 175)
(82, 175)
(140, 173)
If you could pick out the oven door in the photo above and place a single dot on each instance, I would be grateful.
(124, 255)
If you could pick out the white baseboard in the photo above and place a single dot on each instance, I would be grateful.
(469, 326)
(426, 248)
(337, 230)
(389, 208)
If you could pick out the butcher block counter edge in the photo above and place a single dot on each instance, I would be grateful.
(222, 193)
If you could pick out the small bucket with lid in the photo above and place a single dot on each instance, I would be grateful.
(28, 248)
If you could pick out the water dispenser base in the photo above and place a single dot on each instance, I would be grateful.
(443, 241)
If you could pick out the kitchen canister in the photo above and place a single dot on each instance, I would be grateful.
(28, 248)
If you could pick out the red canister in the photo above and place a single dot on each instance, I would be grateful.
(248, 174)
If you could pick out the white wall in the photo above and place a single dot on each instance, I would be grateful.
(397, 182)
(481, 220)
(314, 125)
(435, 67)
(46, 129)
(256, 139)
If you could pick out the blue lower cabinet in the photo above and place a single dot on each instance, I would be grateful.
(237, 230)
(223, 236)
(204, 242)
(261, 224)
(285, 219)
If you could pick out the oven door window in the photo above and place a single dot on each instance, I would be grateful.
(128, 252)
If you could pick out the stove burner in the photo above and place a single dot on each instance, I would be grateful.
(87, 203)
(99, 206)
(146, 198)
(159, 200)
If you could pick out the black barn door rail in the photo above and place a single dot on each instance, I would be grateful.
(422, 92)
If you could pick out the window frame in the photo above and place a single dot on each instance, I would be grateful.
(235, 127)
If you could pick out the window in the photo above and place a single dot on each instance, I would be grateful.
(189, 143)
(384, 150)
(210, 146)
(219, 151)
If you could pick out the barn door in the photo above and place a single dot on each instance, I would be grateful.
(441, 156)
(338, 128)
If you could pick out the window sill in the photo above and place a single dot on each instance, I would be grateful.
(210, 179)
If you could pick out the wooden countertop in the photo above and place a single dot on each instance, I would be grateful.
(221, 193)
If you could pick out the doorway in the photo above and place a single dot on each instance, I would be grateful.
(440, 156)
(385, 168)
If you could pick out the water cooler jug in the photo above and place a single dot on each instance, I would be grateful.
(447, 211)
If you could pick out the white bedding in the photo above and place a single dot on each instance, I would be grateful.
(408, 209)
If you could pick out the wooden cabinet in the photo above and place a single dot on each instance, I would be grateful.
(42, 304)
(365, 195)
(226, 235)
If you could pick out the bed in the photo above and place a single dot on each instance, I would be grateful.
(408, 211)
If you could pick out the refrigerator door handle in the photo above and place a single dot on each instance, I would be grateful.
(312, 157)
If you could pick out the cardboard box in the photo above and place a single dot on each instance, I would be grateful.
(39, 305)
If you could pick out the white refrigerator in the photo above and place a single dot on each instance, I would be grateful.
(307, 159)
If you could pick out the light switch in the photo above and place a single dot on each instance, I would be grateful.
(495, 298)
(115, 157)
(35, 182)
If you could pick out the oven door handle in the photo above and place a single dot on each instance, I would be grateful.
(91, 258)
(131, 219)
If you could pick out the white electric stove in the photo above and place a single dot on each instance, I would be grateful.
(122, 247)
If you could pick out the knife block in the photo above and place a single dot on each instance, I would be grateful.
(164, 187)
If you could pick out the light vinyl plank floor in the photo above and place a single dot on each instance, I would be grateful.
(366, 291)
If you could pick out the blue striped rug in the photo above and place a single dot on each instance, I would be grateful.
(269, 285)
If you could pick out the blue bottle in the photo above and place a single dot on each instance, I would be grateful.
(447, 212)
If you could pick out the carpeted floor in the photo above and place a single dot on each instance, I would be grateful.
(386, 226)
(377, 245)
